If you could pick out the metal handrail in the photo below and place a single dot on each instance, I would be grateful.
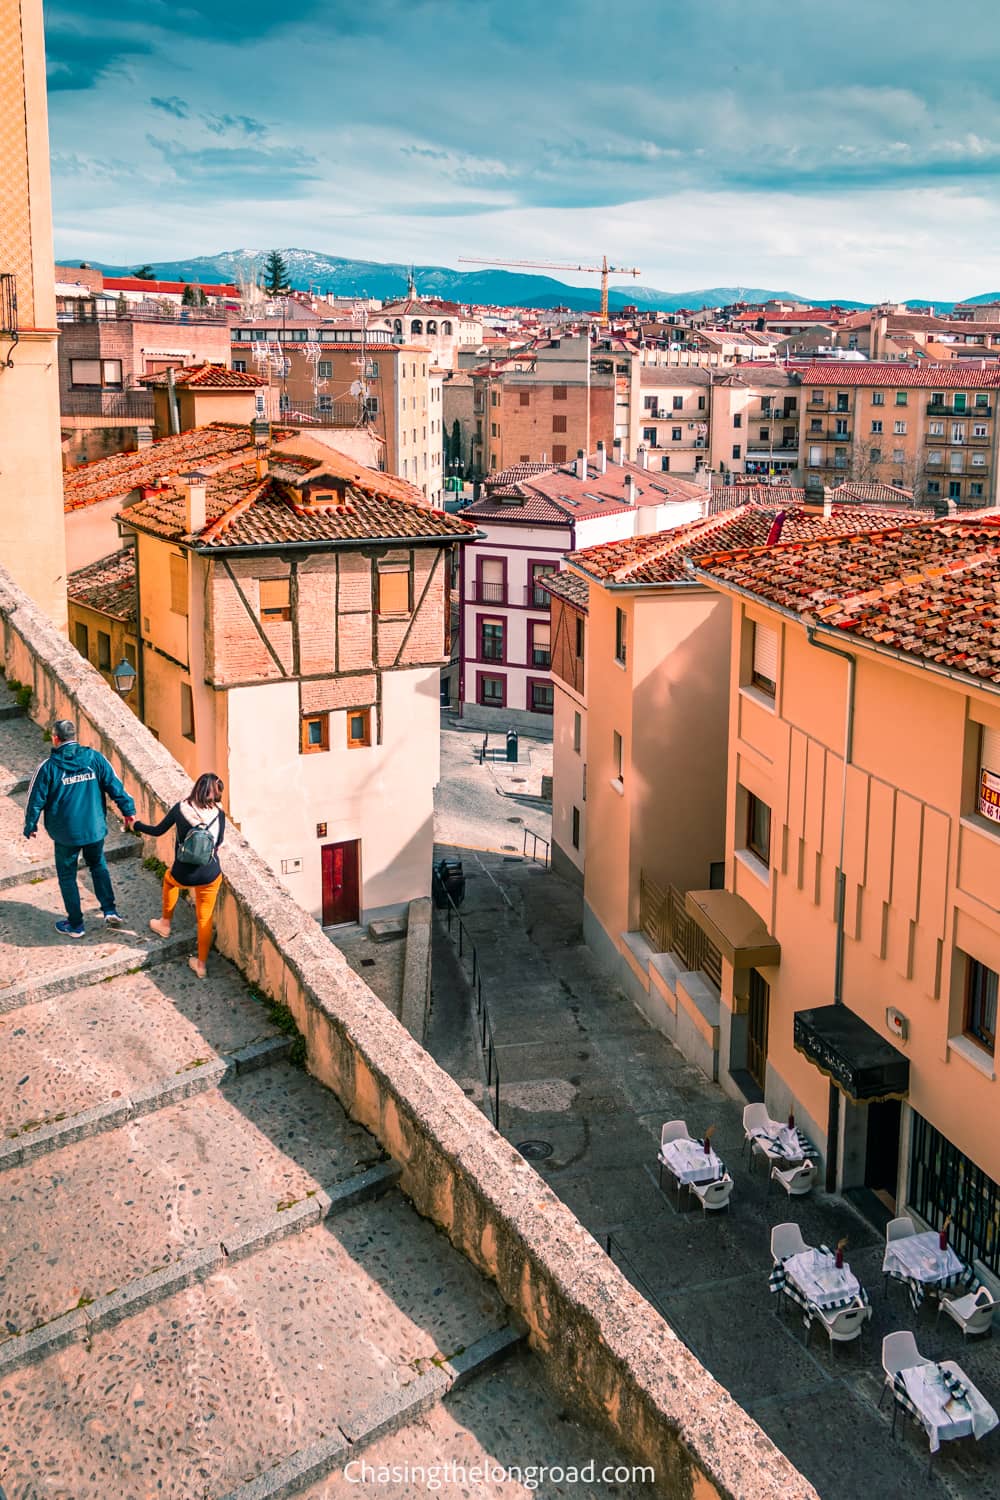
(487, 1040)
(664, 922)
(536, 839)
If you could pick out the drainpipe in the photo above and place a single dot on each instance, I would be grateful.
(833, 1116)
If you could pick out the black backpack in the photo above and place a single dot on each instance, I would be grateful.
(198, 845)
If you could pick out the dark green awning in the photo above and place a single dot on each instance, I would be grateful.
(851, 1053)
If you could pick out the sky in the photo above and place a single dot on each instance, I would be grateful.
(849, 150)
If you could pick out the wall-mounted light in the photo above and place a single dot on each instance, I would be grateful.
(124, 676)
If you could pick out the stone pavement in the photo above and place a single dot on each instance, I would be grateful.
(484, 806)
(209, 1284)
(587, 1079)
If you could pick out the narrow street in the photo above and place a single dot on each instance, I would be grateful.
(585, 1086)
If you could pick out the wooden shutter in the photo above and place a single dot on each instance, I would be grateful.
(765, 653)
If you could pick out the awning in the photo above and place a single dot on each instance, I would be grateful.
(734, 927)
(863, 1064)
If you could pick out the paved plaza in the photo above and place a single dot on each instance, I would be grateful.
(586, 1078)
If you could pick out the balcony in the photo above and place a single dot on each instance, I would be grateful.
(126, 406)
(939, 409)
(667, 928)
(833, 436)
(79, 310)
(8, 305)
(489, 593)
(516, 597)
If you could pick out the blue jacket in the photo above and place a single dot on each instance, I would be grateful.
(71, 788)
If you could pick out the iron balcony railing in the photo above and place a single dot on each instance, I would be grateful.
(941, 409)
(667, 928)
(8, 305)
(131, 406)
(79, 310)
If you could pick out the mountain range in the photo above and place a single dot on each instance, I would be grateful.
(310, 269)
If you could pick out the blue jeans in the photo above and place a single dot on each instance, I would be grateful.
(67, 860)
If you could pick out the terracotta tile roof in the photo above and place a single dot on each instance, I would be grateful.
(503, 477)
(120, 473)
(900, 376)
(772, 495)
(931, 590)
(207, 377)
(661, 557)
(854, 491)
(243, 511)
(555, 496)
(107, 586)
(158, 288)
(801, 315)
(568, 586)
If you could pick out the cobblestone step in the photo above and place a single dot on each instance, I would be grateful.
(161, 1187)
(29, 861)
(339, 1330)
(21, 750)
(37, 962)
(105, 1043)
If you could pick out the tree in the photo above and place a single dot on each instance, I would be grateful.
(145, 273)
(275, 274)
(193, 296)
(456, 442)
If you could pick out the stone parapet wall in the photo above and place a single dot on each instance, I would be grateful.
(610, 1355)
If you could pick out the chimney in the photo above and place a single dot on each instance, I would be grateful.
(629, 489)
(616, 451)
(602, 457)
(643, 456)
(581, 465)
(827, 502)
(143, 437)
(193, 488)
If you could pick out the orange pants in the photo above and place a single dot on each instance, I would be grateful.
(205, 897)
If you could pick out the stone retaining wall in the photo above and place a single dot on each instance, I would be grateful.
(610, 1355)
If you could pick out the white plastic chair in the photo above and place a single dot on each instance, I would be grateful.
(896, 1229)
(755, 1117)
(786, 1240)
(899, 1352)
(713, 1195)
(973, 1313)
(843, 1326)
(796, 1181)
(673, 1130)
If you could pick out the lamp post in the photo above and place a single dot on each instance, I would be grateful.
(124, 677)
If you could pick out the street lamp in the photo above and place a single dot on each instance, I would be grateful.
(124, 676)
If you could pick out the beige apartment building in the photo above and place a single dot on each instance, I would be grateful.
(568, 622)
(292, 630)
(931, 429)
(863, 855)
(734, 422)
(31, 543)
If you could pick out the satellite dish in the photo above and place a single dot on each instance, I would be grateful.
(356, 387)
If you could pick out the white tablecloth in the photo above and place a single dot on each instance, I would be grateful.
(945, 1416)
(689, 1162)
(818, 1279)
(779, 1142)
(921, 1256)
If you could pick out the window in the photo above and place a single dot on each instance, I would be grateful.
(617, 757)
(900, 398)
(701, 403)
(843, 401)
(371, 408)
(540, 598)
(982, 398)
(275, 599)
(577, 732)
(759, 828)
(933, 486)
(559, 422)
(841, 427)
(816, 424)
(878, 398)
(495, 431)
(954, 489)
(621, 636)
(580, 631)
(104, 651)
(765, 408)
(393, 589)
(542, 697)
(988, 802)
(764, 671)
(359, 727)
(765, 434)
(975, 491)
(981, 1004)
(678, 403)
(815, 457)
(956, 462)
(840, 458)
(112, 371)
(979, 429)
(737, 419)
(81, 636)
(324, 369)
(85, 371)
(187, 711)
(315, 733)
(558, 453)
(492, 692)
(372, 371)
(875, 456)
(240, 365)
(958, 432)
(736, 450)
(540, 643)
(576, 828)
(675, 434)
(649, 403)
(649, 436)
(958, 402)
(816, 398)
(898, 455)
(935, 429)
(934, 456)
(899, 428)
(877, 425)
(178, 584)
(491, 640)
(665, 462)
(559, 393)
(943, 1182)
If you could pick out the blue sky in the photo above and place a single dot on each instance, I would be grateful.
(850, 149)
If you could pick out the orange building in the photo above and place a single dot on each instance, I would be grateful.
(859, 925)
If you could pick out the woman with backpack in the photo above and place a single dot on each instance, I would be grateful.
(199, 826)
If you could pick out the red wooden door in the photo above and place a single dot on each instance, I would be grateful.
(341, 882)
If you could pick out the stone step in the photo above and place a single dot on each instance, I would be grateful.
(200, 1393)
(22, 749)
(9, 706)
(29, 861)
(168, 1184)
(105, 1043)
(37, 962)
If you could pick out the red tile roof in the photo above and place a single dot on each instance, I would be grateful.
(569, 587)
(900, 376)
(853, 491)
(207, 377)
(119, 473)
(930, 591)
(556, 497)
(761, 494)
(107, 586)
(661, 557)
(800, 315)
(158, 288)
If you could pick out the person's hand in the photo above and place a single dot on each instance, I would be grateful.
(30, 835)
(129, 823)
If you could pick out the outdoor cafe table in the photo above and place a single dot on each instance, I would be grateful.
(783, 1143)
(814, 1281)
(919, 1260)
(944, 1401)
(688, 1162)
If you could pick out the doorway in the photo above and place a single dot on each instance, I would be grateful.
(757, 1024)
(882, 1150)
(341, 882)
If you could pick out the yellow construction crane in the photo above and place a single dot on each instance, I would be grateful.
(603, 271)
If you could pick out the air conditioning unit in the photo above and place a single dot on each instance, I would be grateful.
(690, 427)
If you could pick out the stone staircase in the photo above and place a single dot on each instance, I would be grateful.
(210, 1285)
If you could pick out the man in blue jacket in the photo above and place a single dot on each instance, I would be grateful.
(71, 789)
